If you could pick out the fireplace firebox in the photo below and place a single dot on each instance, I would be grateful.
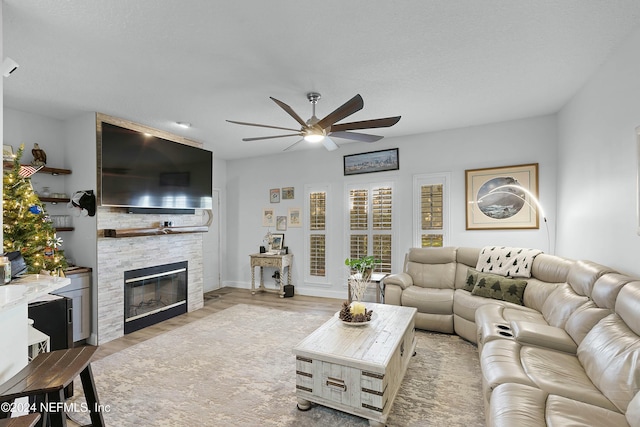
(154, 294)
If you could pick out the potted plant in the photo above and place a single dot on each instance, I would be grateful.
(363, 265)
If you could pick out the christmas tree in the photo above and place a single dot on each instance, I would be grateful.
(27, 227)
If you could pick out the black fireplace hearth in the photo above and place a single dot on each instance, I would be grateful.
(154, 294)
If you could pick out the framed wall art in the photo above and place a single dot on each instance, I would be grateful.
(274, 195)
(502, 197)
(281, 223)
(373, 161)
(287, 193)
(295, 217)
(268, 217)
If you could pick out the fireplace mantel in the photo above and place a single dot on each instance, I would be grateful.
(138, 232)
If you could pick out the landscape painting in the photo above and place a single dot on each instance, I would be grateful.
(502, 197)
(374, 161)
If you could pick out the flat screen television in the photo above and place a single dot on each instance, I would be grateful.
(142, 171)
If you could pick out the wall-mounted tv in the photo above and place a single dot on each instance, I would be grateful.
(139, 170)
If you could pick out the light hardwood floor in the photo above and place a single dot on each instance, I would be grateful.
(218, 300)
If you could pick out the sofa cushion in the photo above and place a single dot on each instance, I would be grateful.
(610, 354)
(500, 288)
(551, 268)
(561, 304)
(583, 275)
(505, 361)
(606, 289)
(524, 406)
(583, 319)
(427, 300)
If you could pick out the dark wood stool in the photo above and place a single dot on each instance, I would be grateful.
(45, 378)
(23, 421)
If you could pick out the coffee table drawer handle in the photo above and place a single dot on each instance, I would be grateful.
(336, 382)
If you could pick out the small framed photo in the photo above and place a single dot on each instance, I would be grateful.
(278, 242)
(7, 153)
(294, 217)
(287, 193)
(281, 223)
(268, 218)
(274, 195)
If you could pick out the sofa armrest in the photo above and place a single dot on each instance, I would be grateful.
(401, 279)
(545, 336)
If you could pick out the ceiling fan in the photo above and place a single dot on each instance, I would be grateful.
(319, 130)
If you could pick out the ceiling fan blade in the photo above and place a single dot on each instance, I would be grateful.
(262, 126)
(294, 144)
(329, 144)
(290, 111)
(271, 137)
(348, 108)
(362, 137)
(366, 124)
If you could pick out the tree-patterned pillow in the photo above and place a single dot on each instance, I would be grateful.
(472, 278)
(500, 287)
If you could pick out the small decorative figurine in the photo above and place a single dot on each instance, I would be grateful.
(39, 156)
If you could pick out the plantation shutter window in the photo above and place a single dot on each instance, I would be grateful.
(430, 201)
(370, 220)
(317, 237)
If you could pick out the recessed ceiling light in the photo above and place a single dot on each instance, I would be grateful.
(184, 125)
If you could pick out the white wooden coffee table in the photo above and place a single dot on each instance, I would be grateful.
(357, 369)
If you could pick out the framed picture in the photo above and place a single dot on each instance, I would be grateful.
(268, 217)
(294, 217)
(281, 223)
(502, 197)
(278, 242)
(7, 153)
(287, 193)
(274, 195)
(373, 161)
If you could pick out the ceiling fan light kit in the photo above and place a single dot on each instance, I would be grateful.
(317, 130)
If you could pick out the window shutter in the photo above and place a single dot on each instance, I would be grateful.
(316, 235)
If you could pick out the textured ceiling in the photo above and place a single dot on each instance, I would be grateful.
(438, 64)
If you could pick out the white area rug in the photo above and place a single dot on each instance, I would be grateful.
(236, 368)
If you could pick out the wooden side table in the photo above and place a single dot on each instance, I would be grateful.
(266, 260)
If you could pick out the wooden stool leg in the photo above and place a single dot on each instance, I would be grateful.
(56, 401)
(91, 395)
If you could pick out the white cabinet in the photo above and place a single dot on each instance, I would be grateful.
(80, 293)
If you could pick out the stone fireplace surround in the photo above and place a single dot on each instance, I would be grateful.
(116, 255)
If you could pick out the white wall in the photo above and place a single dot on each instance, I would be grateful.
(598, 165)
(530, 140)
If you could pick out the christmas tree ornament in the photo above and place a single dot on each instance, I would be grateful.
(35, 209)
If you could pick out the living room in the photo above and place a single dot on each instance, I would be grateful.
(585, 148)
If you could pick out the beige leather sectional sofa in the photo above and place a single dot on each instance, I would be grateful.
(569, 355)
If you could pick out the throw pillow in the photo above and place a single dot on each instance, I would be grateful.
(500, 287)
(472, 278)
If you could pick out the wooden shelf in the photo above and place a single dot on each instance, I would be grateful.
(164, 231)
(46, 169)
(54, 200)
